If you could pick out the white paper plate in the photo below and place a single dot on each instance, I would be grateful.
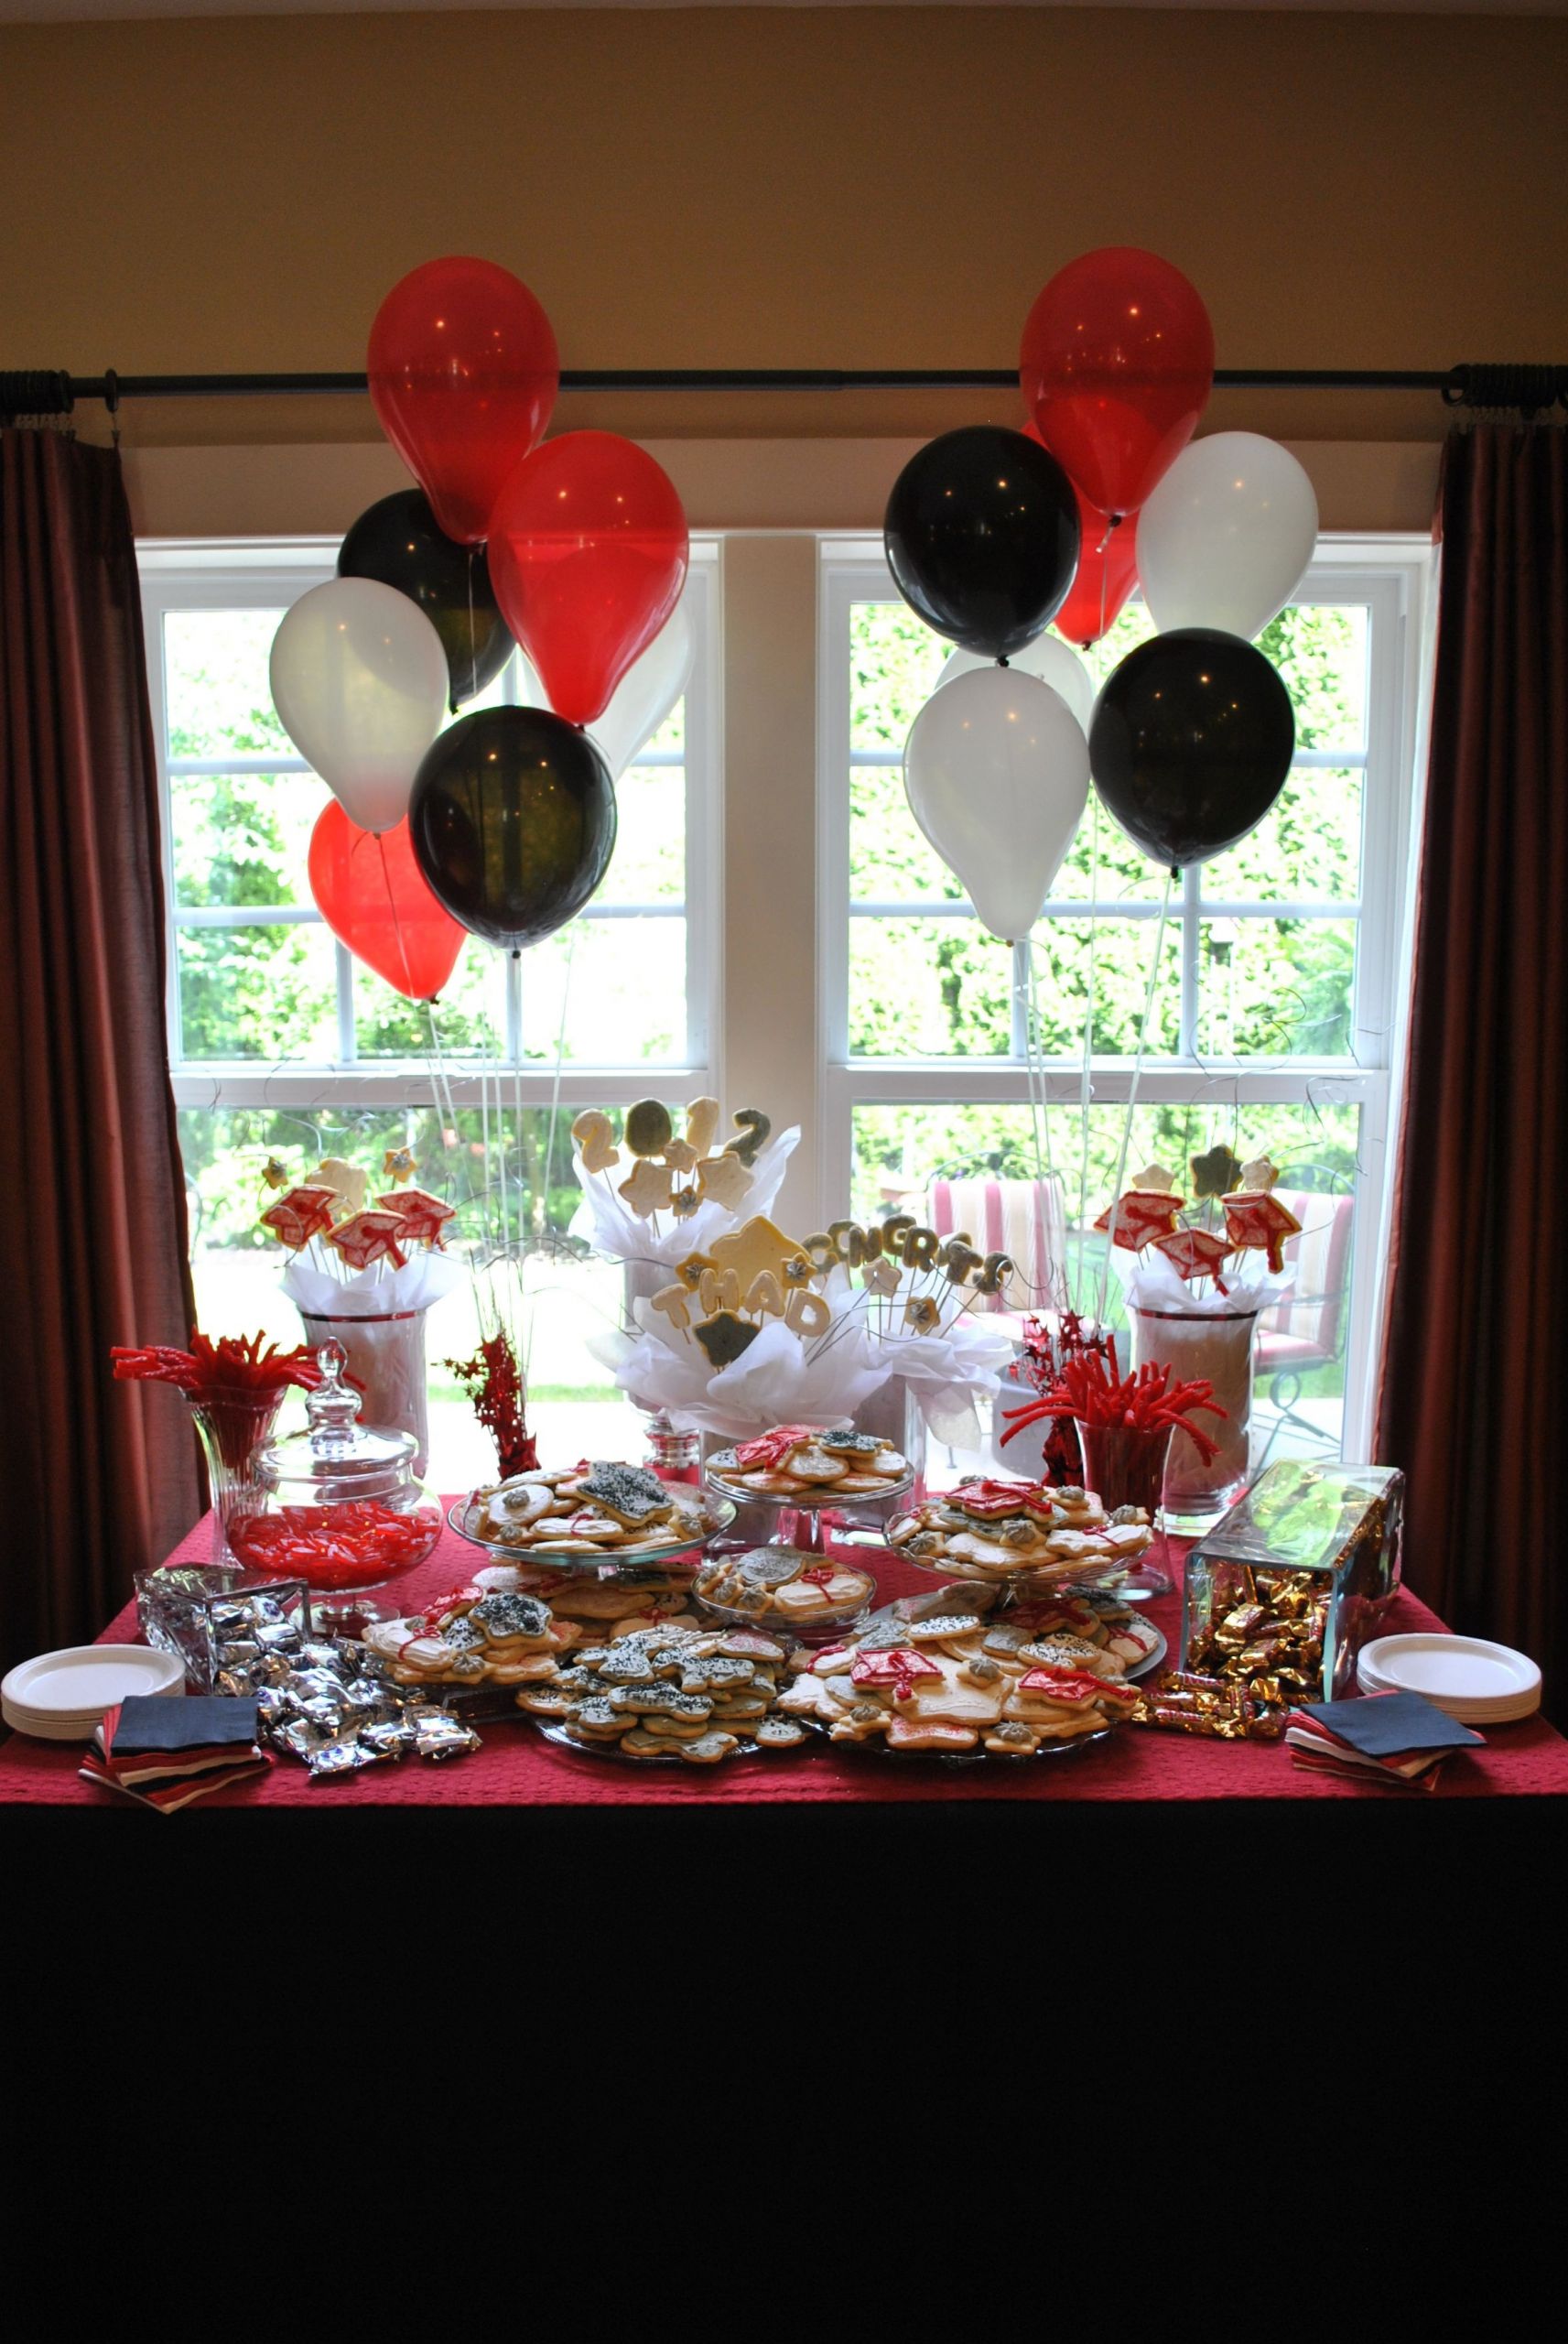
(1464, 1675)
(61, 1696)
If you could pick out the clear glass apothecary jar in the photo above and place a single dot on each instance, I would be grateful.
(344, 1511)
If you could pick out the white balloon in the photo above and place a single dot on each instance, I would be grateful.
(359, 678)
(646, 693)
(1225, 539)
(1047, 658)
(643, 696)
(997, 770)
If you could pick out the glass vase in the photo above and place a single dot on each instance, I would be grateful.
(386, 1359)
(1126, 1465)
(1218, 1345)
(235, 1427)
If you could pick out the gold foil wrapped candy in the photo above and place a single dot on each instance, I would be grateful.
(1284, 1589)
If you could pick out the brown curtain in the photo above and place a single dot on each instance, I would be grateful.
(100, 1478)
(1475, 1390)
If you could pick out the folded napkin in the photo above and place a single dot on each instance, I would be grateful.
(165, 1752)
(1396, 1739)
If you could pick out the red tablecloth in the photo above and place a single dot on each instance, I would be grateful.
(518, 1768)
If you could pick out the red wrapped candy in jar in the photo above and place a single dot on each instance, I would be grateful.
(344, 1511)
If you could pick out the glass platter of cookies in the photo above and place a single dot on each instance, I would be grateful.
(793, 1591)
(664, 1696)
(588, 1515)
(1028, 1536)
(797, 1466)
(957, 1686)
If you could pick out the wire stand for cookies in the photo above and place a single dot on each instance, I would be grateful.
(1066, 1747)
(814, 1529)
(746, 1746)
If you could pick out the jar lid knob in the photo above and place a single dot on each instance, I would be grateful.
(333, 1407)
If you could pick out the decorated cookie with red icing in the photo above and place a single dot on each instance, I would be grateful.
(799, 1461)
(1007, 1532)
(946, 1683)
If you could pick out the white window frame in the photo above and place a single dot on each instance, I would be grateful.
(1391, 576)
(265, 573)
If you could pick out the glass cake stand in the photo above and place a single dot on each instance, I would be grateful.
(814, 1527)
(464, 1513)
(1100, 1574)
(820, 1627)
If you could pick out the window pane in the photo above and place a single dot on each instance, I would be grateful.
(1306, 850)
(928, 988)
(894, 661)
(243, 838)
(573, 1407)
(1276, 988)
(649, 863)
(258, 992)
(624, 992)
(890, 861)
(1321, 651)
(468, 1019)
(215, 683)
(1299, 1404)
(1103, 865)
(671, 734)
(1113, 956)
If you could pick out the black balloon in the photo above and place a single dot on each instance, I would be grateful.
(982, 537)
(396, 540)
(1190, 742)
(513, 822)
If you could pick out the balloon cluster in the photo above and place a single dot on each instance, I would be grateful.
(993, 535)
(576, 550)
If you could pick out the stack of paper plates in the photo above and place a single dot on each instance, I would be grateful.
(1478, 1683)
(61, 1696)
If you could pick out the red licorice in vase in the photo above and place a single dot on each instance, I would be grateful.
(356, 1544)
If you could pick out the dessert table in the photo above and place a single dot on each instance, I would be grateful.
(518, 1769)
(587, 1863)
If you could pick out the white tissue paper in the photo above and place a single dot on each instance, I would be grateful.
(779, 1379)
(607, 1224)
(378, 1315)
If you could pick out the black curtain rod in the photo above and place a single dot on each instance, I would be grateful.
(43, 392)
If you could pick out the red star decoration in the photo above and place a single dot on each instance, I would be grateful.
(1254, 1220)
(301, 1215)
(367, 1237)
(1140, 1216)
(422, 1215)
(1195, 1253)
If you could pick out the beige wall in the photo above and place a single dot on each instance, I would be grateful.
(772, 187)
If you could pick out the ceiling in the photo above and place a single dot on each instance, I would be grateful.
(84, 11)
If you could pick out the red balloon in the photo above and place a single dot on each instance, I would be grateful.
(1117, 366)
(1107, 574)
(375, 899)
(463, 374)
(588, 556)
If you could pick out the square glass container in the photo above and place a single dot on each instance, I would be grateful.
(1295, 1578)
(216, 1616)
